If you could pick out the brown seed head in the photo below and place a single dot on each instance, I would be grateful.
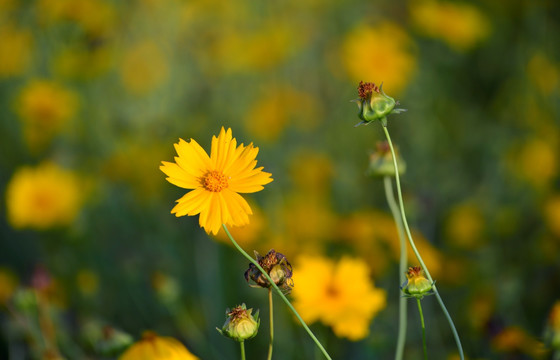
(366, 89)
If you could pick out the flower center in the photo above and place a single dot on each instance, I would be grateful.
(215, 181)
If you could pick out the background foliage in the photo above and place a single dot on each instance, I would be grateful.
(104, 88)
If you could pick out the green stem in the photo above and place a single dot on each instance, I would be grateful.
(282, 296)
(423, 329)
(242, 344)
(271, 309)
(407, 229)
(390, 195)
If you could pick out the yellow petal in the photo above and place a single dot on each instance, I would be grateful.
(192, 158)
(178, 176)
(192, 203)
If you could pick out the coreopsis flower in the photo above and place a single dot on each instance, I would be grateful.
(382, 51)
(276, 266)
(43, 197)
(155, 347)
(374, 104)
(339, 294)
(381, 161)
(240, 324)
(44, 108)
(216, 180)
(460, 25)
(416, 284)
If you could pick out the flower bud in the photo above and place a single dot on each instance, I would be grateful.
(416, 284)
(240, 325)
(381, 161)
(276, 266)
(374, 104)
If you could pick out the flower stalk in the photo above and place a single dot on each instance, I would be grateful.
(390, 195)
(423, 329)
(277, 289)
(271, 316)
(242, 346)
(414, 249)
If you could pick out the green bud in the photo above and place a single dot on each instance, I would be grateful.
(416, 284)
(381, 161)
(374, 104)
(240, 325)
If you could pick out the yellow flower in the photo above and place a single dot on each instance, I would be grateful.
(144, 68)
(536, 161)
(43, 197)
(8, 284)
(87, 282)
(154, 347)
(44, 107)
(464, 226)
(552, 214)
(340, 295)
(15, 50)
(382, 54)
(543, 73)
(460, 25)
(216, 180)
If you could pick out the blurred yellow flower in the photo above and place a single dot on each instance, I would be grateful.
(464, 226)
(383, 53)
(87, 282)
(83, 63)
(8, 284)
(216, 180)
(45, 107)
(536, 162)
(313, 178)
(144, 67)
(43, 197)
(154, 347)
(544, 74)
(340, 295)
(514, 339)
(15, 50)
(460, 25)
(277, 108)
(552, 214)
(96, 17)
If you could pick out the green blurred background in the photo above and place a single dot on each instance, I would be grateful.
(95, 92)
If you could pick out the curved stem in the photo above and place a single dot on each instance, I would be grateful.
(423, 329)
(282, 296)
(242, 345)
(407, 229)
(271, 310)
(390, 195)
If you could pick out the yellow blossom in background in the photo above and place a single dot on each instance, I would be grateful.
(536, 161)
(279, 108)
(374, 236)
(464, 226)
(460, 25)
(8, 284)
(543, 73)
(44, 108)
(82, 62)
(514, 339)
(315, 176)
(87, 282)
(15, 50)
(216, 180)
(552, 214)
(338, 294)
(144, 67)
(43, 197)
(154, 347)
(96, 17)
(383, 53)
(260, 48)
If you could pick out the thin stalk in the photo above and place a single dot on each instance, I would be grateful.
(242, 345)
(282, 296)
(423, 329)
(407, 229)
(390, 195)
(271, 310)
